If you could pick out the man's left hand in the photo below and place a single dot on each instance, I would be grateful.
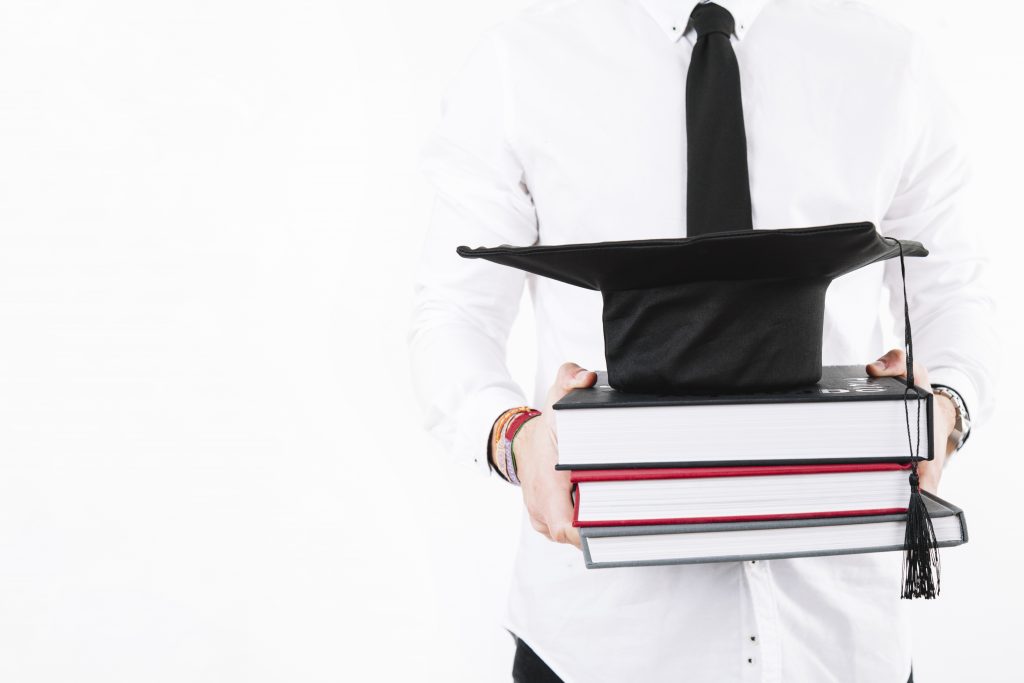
(894, 364)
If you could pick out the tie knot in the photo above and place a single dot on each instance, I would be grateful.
(708, 18)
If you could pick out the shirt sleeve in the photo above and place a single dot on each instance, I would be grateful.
(951, 306)
(463, 309)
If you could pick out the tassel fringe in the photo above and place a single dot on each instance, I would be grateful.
(920, 555)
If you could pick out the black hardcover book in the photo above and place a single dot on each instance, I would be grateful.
(845, 417)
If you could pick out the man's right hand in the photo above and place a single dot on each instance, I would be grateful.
(547, 492)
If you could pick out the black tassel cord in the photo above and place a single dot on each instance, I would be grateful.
(920, 552)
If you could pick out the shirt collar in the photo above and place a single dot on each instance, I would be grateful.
(673, 15)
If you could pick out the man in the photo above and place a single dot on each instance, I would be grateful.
(568, 125)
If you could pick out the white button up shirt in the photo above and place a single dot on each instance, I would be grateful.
(568, 124)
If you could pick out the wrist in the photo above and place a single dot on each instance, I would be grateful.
(945, 407)
(499, 445)
(495, 454)
(519, 436)
(945, 415)
(950, 405)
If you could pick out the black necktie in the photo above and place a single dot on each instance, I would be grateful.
(717, 185)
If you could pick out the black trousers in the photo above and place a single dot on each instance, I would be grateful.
(527, 667)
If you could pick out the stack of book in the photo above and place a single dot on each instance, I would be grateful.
(819, 470)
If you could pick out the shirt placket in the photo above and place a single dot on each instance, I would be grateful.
(761, 648)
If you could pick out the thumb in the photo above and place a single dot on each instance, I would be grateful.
(572, 376)
(893, 363)
(583, 379)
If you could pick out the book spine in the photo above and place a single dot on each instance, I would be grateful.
(679, 464)
(734, 518)
(585, 476)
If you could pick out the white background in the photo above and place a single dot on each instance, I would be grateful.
(211, 466)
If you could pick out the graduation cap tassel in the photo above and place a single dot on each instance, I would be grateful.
(920, 552)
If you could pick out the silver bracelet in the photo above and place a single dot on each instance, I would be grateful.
(962, 428)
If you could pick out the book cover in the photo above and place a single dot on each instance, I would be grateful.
(837, 383)
(584, 477)
(951, 532)
(601, 428)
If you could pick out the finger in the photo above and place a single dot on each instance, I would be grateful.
(921, 377)
(893, 363)
(566, 371)
(929, 474)
(583, 378)
(572, 376)
(539, 526)
(574, 537)
(931, 485)
(559, 518)
(565, 533)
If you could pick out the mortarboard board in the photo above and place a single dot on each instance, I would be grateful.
(726, 311)
(735, 310)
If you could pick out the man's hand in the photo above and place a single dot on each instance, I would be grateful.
(894, 364)
(547, 492)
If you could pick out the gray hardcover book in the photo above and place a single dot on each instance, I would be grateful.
(635, 546)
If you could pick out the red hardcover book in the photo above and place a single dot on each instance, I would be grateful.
(728, 494)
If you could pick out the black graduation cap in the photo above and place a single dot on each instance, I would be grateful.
(731, 311)
(735, 310)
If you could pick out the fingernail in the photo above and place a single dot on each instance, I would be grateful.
(581, 373)
(880, 364)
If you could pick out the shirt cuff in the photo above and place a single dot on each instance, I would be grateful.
(475, 421)
(958, 381)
